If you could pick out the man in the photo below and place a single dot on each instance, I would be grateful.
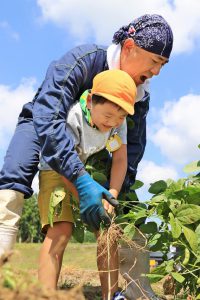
(141, 49)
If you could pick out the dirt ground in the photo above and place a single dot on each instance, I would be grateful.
(74, 284)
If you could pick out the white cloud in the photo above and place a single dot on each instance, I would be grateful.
(103, 18)
(149, 172)
(4, 25)
(177, 134)
(11, 102)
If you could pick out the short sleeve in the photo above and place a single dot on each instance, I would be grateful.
(122, 132)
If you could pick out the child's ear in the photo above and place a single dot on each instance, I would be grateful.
(89, 101)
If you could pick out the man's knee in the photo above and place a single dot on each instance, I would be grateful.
(11, 204)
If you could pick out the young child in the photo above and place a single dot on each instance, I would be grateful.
(97, 121)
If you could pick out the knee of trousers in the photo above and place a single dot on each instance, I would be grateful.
(11, 204)
(7, 239)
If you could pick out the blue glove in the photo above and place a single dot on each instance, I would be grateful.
(91, 194)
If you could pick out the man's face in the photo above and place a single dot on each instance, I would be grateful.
(139, 63)
(107, 115)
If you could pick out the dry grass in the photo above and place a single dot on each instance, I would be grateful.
(79, 269)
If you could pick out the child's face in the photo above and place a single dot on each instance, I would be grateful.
(107, 115)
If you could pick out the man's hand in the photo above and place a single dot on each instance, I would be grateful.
(90, 196)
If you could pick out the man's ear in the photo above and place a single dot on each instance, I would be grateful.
(128, 44)
(89, 101)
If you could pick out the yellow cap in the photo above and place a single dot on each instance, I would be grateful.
(116, 86)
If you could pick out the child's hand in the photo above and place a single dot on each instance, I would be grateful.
(107, 206)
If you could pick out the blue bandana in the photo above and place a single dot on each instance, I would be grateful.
(150, 32)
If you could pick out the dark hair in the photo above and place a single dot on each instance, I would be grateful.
(96, 99)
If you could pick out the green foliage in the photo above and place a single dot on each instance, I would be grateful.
(29, 226)
(192, 167)
(176, 205)
(158, 187)
(99, 177)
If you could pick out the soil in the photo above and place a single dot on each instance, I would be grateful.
(74, 284)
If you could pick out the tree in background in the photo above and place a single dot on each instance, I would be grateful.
(29, 226)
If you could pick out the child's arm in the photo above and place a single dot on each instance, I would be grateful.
(118, 173)
(118, 170)
(70, 186)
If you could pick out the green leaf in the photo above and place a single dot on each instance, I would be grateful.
(175, 226)
(132, 196)
(158, 199)
(78, 232)
(160, 270)
(138, 184)
(178, 277)
(192, 167)
(158, 187)
(129, 231)
(57, 196)
(170, 182)
(90, 168)
(169, 266)
(153, 278)
(191, 238)
(174, 204)
(197, 231)
(194, 198)
(150, 227)
(188, 213)
(9, 283)
(163, 209)
(55, 203)
(99, 177)
(154, 239)
(142, 213)
(176, 186)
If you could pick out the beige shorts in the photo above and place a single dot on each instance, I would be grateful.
(48, 182)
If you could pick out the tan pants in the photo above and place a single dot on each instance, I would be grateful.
(48, 182)
(11, 204)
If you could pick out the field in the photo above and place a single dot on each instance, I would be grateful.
(79, 269)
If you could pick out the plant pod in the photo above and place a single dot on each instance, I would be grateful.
(187, 257)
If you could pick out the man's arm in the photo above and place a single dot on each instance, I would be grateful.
(65, 81)
(136, 140)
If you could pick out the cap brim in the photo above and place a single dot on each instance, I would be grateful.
(129, 108)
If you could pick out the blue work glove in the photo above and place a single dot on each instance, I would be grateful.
(91, 194)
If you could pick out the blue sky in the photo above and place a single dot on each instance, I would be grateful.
(33, 33)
